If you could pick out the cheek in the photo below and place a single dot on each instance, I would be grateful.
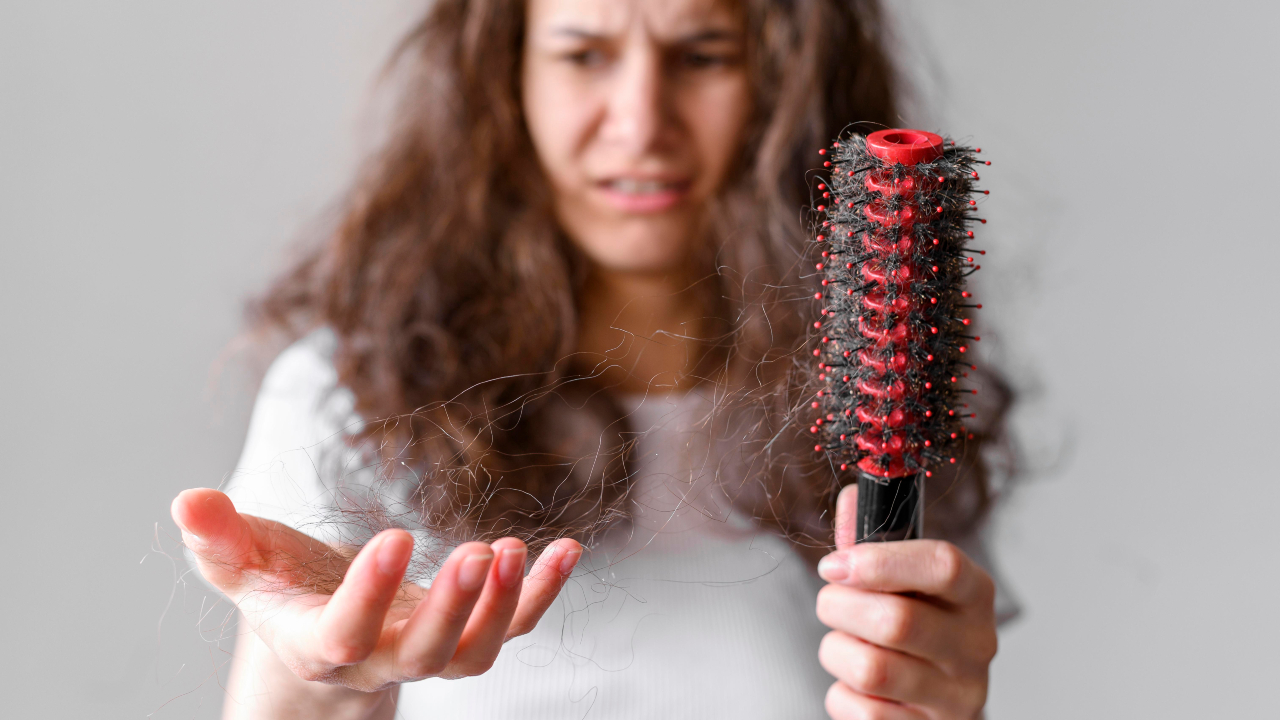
(716, 117)
(557, 116)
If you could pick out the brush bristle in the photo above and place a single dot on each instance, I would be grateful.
(892, 340)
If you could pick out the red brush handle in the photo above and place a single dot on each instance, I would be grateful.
(893, 217)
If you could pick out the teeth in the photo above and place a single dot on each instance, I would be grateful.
(640, 187)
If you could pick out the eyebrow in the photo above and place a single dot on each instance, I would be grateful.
(701, 36)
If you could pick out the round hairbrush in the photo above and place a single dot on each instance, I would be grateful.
(897, 215)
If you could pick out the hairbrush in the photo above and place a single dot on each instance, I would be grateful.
(897, 215)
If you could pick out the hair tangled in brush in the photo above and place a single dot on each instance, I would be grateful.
(893, 338)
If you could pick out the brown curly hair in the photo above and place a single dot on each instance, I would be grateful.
(453, 293)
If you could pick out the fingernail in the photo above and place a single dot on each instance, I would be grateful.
(389, 557)
(471, 574)
(569, 560)
(833, 570)
(511, 566)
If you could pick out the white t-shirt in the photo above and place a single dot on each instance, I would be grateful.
(688, 611)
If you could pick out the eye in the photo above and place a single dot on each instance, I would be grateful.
(698, 60)
(585, 58)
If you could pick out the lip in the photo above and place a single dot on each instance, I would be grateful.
(642, 197)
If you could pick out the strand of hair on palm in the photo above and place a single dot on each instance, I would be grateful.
(898, 212)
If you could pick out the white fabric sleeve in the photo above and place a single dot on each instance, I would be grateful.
(296, 458)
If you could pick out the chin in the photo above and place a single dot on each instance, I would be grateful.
(659, 247)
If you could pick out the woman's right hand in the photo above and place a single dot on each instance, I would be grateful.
(373, 631)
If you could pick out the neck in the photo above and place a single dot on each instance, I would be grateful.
(645, 328)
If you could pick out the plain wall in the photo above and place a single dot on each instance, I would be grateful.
(157, 159)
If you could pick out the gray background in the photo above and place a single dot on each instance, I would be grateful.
(157, 158)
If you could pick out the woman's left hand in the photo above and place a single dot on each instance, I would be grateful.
(913, 627)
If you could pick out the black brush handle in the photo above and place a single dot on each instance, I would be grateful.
(890, 508)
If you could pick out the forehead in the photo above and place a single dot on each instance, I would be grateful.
(663, 18)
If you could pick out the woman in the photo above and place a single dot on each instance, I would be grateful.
(555, 310)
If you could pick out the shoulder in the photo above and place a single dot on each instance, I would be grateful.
(305, 368)
(300, 394)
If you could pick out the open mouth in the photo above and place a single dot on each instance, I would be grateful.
(629, 186)
(636, 195)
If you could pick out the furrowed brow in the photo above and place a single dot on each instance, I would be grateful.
(578, 34)
(708, 35)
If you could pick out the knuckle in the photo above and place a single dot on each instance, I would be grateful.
(898, 624)
(827, 600)
(870, 672)
(474, 666)
(518, 629)
(973, 696)
(948, 565)
(453, 615)
(874, 565)
(308, 674)
(834, 702)
(988, 645)
(827, 650)
(335, 652)
(874, 713)
(423, 667)
(311, 673)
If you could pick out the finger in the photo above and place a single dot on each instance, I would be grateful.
(846, 517)
(868, 669)
(929, 567)
(543, 585)
(487, 629)
(843, 703)
(892, 621)
(351, 622)
(216, 534)
(429, 638)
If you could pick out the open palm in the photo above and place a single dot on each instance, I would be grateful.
(354, 621)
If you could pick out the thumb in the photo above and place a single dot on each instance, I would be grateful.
(218, 536)
(846, 516)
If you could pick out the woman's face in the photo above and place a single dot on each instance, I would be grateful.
(636, 109)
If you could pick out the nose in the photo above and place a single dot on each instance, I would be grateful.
(637, 112)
